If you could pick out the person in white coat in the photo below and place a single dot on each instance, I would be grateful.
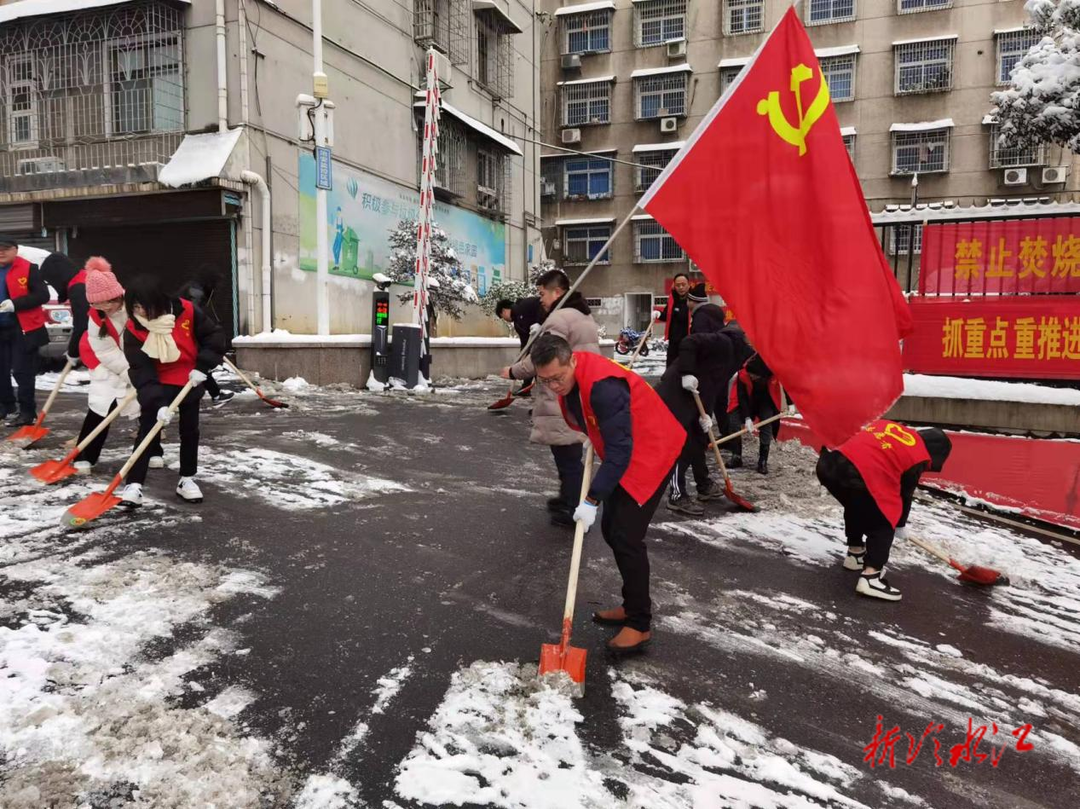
(101, 351)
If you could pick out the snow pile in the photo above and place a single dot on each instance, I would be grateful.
(278, 336)
(374, 385)
(327, 792)
(295, 383)
(952, 387)
(199, 157)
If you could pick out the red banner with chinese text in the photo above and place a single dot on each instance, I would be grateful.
(1001, 257)
(1012, 337)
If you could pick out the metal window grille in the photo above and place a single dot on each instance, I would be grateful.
(912, 6)
(1002, 157)
(727, 76)
(95, 89)
(1012, 46)
(588, 178)
(900, 239)
(582, 245)
(444, 24)
(650, 164)
(550, 178)
(924, 67)
(594, 303)
(744, 16)
(586, 103)
(654, 244)
(827, 11)
(657, 21)
(451, 162)
(923, 152)
(587, 33)
(493, 181)
(849, 144)
(494, 68)
(839, 73)
(660, 96)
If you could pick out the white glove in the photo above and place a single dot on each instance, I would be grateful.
(689, 382)
(656, 314)
(196, 377)
(6, 306)
(901, 532)
(750, 428)
(534, 328)
(73, 360)
(164, 415)
(706, 424)
(586, 513)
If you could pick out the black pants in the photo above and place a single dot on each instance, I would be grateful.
(17, 359)
(692, 457)
(93, 449)
(623, 525)
(211, 385)
(765, 434)
(189, 433)
(568, 461)
(864, 524)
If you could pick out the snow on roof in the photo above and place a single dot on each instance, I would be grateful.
(952, 387)
(737, 61)
(989, 118)
(585, 81)
(923, 126)
(199, 157)
(1016, 30)
(499, 11)
(472, 123)
(585, 7)
(641, 217)
(839, 50)
(659, 71)
(938, 38)
(562, 223)
(995, 209)
(40, 8)
(659, 147)
(847, 130)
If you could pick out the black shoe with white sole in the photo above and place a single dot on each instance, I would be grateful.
(684, 504)
(875, 586)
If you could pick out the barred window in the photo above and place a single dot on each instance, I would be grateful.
(744, 16)
(911, 6)
(924, 67)
(20, 100)
(588, 177)
(587, 33)
(839, 73)
(494, 66)
(492, 181)
(654, 244)
(650, 164)
(727, 77)
(1012, 46)
(826, 11)
(450, 164)
(900, 239)
(586, 103)
(582, 244)
(660, 96)
(849, 144)
(445, 25)
(1002, 157)
(923, 152)
(657, 21)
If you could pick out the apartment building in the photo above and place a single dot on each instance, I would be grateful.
(910, 80)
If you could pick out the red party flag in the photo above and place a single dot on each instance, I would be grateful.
(764, 199)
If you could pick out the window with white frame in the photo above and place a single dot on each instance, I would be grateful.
(744, 16)
(20, 100)
(1012, 46)
(727, 77)
(924, 66)
(900, 239)
(657, 21)
(924, 152)
(911, 6)
(1002, 157)
(586, 103)
(650, 164)
(660, 96)
(821, 12)
(582, 244)
(492, 182)
(849, 144)
(587, 178)
(587, 33)
(839, 73)
(653, 244)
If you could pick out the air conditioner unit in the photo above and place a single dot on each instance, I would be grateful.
(1055, 174)
(676, 49)
(547, 188)
(443, 69)
(669, 124)
(39, 165)
(571, 61)
(1015, 177)
(571, 136)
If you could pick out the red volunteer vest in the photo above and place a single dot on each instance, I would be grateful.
(882, 452)
(175, 373)
(743, 378)
(78, 278)
(18, 284)
(86, 353)
(658, 437)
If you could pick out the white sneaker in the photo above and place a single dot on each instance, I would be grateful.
(875, 586)
(83, 467)
(132, 496)
(854, 561)
(157, 462)
(188, 490)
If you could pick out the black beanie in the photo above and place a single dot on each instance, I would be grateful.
(698, 294)
(938, 445)
(8, 241)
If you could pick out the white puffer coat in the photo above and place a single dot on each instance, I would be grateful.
(109, 381)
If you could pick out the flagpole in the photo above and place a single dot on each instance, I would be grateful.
(427, 186)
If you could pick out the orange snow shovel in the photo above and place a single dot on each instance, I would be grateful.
(55, 471)
(93, 506)
(562, 656)
(250, 384)
(729, 492)
(973, 574)
(32, 433)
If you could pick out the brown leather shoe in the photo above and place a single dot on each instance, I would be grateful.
(614, 617)
(629, 641)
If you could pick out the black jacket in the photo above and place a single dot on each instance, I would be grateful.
(576, 301)
(524, 313)
(610, 403)
(677, 316)
(708, 354)
(58, 271)
(210, 339)
(841, 477)
(37, 295)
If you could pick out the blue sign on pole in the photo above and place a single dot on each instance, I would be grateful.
(324, 177)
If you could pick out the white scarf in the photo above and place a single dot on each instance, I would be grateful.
(159, 344)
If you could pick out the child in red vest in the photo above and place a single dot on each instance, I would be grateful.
(874, 475)
(167, 342)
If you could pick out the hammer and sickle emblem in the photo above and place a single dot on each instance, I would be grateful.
(795, 135)
(895, 431)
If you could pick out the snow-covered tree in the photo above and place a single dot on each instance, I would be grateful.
(512, 290)
(453, 291)
(1042, 103)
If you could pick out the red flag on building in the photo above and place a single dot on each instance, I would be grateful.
(764, 199)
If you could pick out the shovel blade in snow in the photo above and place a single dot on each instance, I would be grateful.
(87, 509)
(53, 471)
(25, 436)
(556, 657)
(739, 502)
(505, 401)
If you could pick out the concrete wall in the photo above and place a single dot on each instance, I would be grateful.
(1021, 417)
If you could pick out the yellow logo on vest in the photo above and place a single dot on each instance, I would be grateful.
(23, 281)
(186, 325)
(796, 135)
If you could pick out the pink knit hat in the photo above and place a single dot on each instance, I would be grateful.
(101, 284)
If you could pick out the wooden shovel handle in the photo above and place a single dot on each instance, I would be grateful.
(579, 540)
(109, 419)
(240, 374)
(931, 549)
(55, 391)
(637, 349)
(157, 428)
(743, 431)
(712, 437)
